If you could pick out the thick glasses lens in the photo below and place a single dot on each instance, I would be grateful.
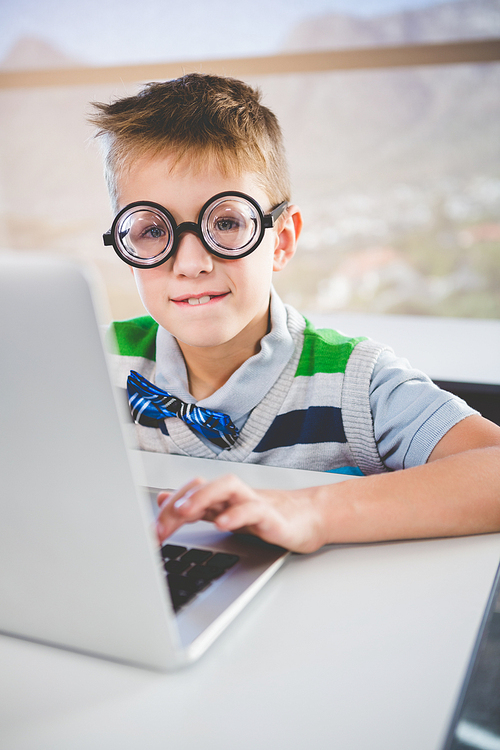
(231, 225)
(144, 235)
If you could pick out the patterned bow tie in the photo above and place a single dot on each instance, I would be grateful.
(150, 405)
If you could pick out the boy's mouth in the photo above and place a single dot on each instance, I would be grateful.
(199, 299)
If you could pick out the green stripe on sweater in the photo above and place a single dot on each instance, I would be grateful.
(136, 337)
(324, 351)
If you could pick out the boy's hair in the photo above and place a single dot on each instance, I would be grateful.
(215, 121)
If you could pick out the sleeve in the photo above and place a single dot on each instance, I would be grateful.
(410, 413)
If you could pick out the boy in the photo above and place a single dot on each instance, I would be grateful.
(198, 178)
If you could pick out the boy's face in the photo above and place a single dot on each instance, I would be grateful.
(202, 300)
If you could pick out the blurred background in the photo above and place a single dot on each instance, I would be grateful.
(396, 168)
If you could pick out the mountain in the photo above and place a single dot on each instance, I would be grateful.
(394, 163)
(448, 21)
(31, 53)
(369, 128)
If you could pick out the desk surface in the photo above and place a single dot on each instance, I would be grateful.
(354, 646)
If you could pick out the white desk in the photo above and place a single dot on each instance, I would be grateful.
(353, 647)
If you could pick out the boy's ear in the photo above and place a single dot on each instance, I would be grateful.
(286, 238)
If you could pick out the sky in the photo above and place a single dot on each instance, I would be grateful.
(110, 32)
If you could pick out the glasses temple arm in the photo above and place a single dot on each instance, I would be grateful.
(270, 218)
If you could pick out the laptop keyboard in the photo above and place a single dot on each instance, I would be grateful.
(192, 570)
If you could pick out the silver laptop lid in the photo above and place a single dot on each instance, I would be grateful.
(78, 564)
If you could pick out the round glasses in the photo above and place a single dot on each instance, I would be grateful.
(230, 225)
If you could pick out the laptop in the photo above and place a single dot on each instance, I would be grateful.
(80, 565)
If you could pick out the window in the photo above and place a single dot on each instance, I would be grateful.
(396, 166)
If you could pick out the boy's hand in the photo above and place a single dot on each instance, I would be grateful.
(287, 518)
(456, 493)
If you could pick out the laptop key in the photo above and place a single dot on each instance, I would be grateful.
(223, 560)
(182, 589)
(196, 555)
(204, 572)
(178, 582)
(172, 551)
(176, 566)
(180, 597)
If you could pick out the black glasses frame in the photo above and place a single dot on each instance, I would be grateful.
(267, 221)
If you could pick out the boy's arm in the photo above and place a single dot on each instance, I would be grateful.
(457, 492)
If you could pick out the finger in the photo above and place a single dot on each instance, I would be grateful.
(168, 521)
(227, 490)
(172, 496)
(162, 496)
(166, 525)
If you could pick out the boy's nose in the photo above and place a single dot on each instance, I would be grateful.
(191, 258)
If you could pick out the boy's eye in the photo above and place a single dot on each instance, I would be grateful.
(153, 232)
(231, 229)
(228, 224)
(144, 234)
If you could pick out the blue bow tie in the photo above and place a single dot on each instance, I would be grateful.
(151, 405)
